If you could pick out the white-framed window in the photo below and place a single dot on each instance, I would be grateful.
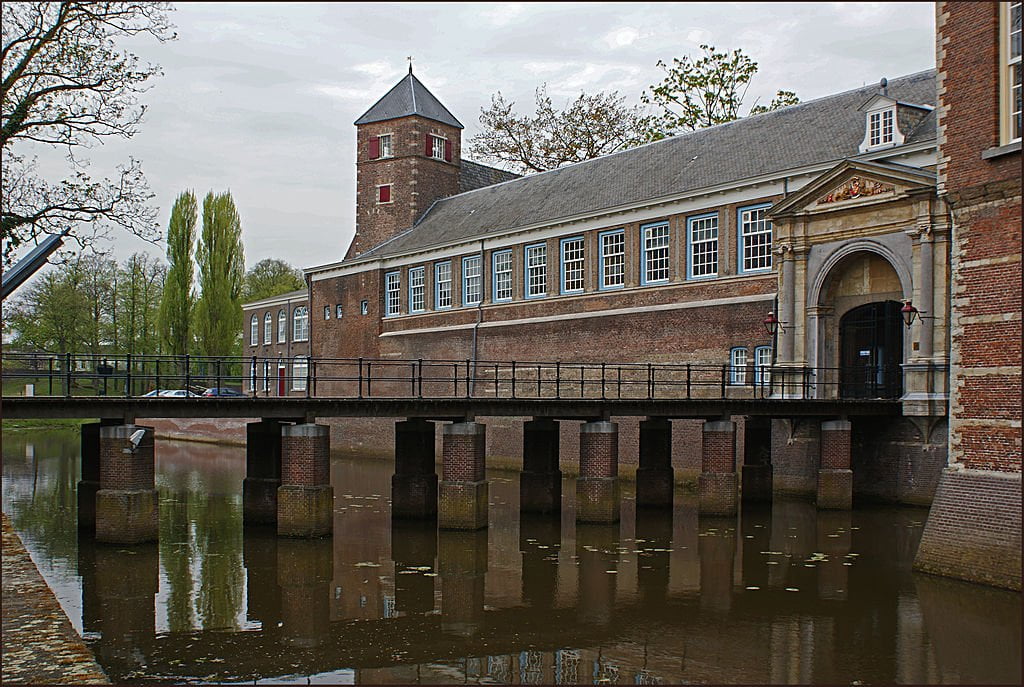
(613, 259)
(254, 331)
(762, 365)
(339, 311)
(655, 253)
(572, 265)
(383, 194)
(417, 297)
(738, 366)
(702, 246)
(282, 326)
(252, 375)
(364, 307)
(327, 312)
(755, 239)
(502, 271)
(1010, 72)
(536, 270)
(472, 280)
(392, 293)
(880, 127)
(268, 328)
(436, 147)
(384, 145)
(300, 324)
(300, 369)
(442, 285)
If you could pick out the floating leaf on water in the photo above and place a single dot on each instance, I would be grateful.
(612, 572)
(749, 536)
(367, 564)
(792, 589)
(833, 536)
(773, 562)
(847, 563)
(772, 553)
(429, 574)
(752, 588)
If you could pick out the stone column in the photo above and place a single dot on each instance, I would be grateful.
(835, 478)
(262, 472)
(304, 572)
(787, 303)
(597, 489)
(540, 483)
(126, 503)
(462, 564)
(927, 291)
(413, 548)
(757, 468)
(655, 478)
(718, 482)
(305, 499)
(463, 491)
(414, 484)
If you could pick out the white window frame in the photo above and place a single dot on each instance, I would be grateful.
(392, 294)
(282, 326)
(535, 267)
(747, 228)
(1009, 84)
(443, 285)
(762, 365)
(437, 147)
(881, 127)
(572, 261)
(738, 366)
(300, 324)
(417, 291)
(613, 259)
(381, 140)
(702, 246)
(268, 328)
(327, 312)
(300, 370)
(391, 194)
(338, 311)
(655, 253)
(501, 271)
(254, 330)
(472, 280)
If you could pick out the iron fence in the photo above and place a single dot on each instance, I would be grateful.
(69, 374)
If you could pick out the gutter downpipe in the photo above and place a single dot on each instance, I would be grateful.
(476, 326)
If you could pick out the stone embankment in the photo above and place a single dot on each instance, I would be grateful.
(39, 644)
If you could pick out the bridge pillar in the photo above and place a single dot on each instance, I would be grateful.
(126, 502)
(305, 499)
(90, 482)
(835, 478)
(414, 484)
(463, 489)
(756, 473)
(597, 489)
(718, 482)
(540, 483)
(655, 478)
(262, 472)
(462, 564)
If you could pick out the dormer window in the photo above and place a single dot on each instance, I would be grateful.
(880, 127)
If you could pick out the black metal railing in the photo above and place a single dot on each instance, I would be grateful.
(67, 375)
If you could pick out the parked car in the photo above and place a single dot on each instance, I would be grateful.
(223, 392)
(154, 392)
(177, 393)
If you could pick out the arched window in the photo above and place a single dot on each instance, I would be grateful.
(254, 331)
(300, 324)
(282, 326)
(268, 323)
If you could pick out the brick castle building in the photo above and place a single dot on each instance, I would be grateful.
(834, 214)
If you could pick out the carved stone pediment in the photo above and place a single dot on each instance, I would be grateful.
(854, 188)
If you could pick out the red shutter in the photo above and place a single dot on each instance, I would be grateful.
(374, 147)
(385, 194)
(429, 151)
(447, 151)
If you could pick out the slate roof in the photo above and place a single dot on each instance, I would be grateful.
(820, 131)
(473, 175)
(409, 97)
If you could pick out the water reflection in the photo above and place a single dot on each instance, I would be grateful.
(781, 594)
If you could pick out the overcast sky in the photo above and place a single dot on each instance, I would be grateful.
(260, 98)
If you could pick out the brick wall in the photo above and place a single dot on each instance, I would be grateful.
(132, 471)
(835, 449)
(599, 453)
(719, 451)
(305, 460)
(463, 457)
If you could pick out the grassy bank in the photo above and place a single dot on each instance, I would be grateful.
(14, 425)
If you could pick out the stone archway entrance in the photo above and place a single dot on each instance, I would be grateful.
(871, 351)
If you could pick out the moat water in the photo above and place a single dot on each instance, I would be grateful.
(780, 594)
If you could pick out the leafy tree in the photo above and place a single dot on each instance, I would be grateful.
(705, 92)
(271, 277)
(590, 126)
(51, 313)
(218, 313)
(66, 85)
(176, 306)
(138, 290)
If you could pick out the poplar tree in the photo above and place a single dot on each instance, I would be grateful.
(175, 316)
(221, 261)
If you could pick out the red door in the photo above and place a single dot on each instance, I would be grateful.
(280, 381)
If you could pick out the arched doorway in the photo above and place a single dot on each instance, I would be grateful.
(871, 351)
